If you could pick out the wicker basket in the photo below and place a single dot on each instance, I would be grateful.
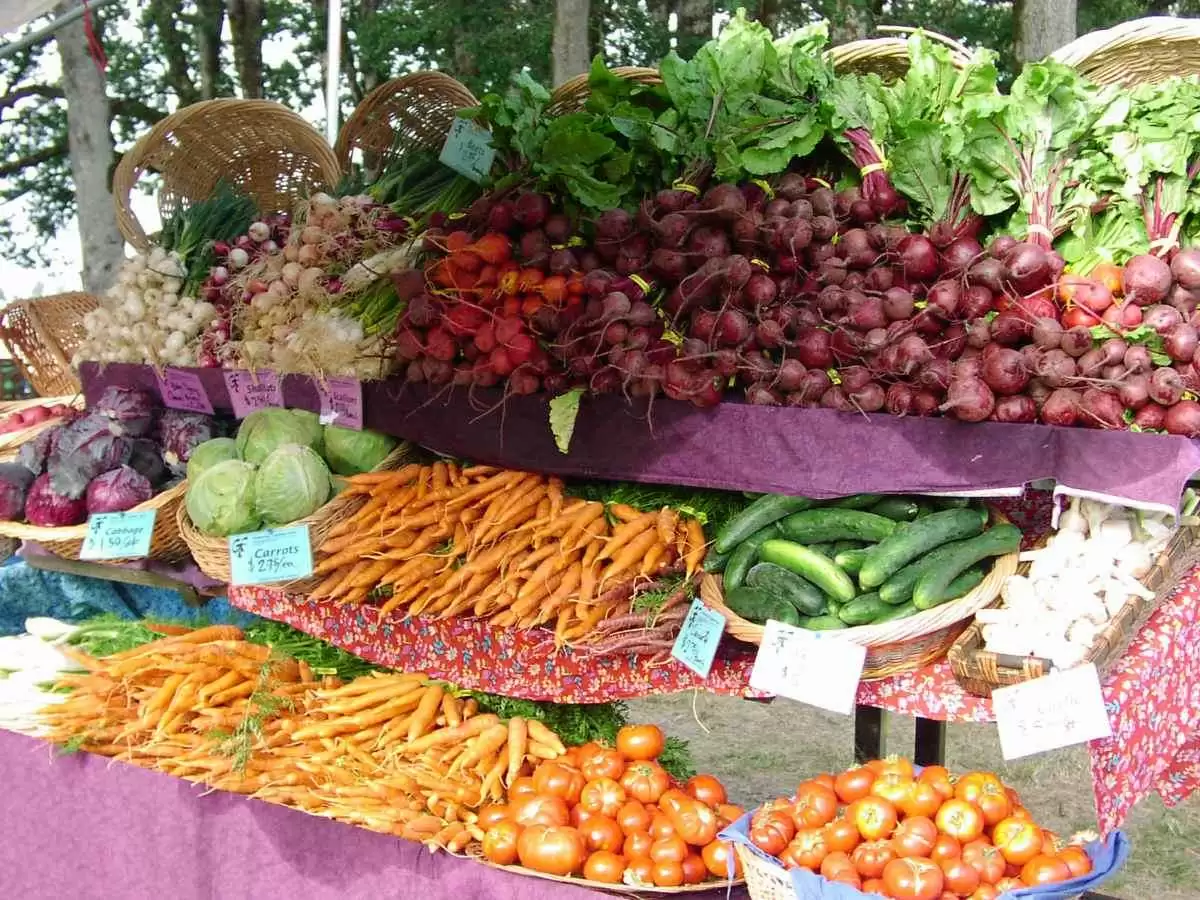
(979, 670)
(475, 852)
(409, 113)
(257, 146)
(14, 439)
(892, 647)
(1142, 51)
(766, 879)
(165, 543)
(886, 57)
(572, 94)
(212, 553)
(42, 335)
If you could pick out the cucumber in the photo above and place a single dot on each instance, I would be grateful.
(818, 569)
(714, 561)
(850, 560)
(758, 515)
(900, 508)
(745, 555)
(832, 607)
(931, 588)
(824, 549)
(965, 583)
(899, 588)
(849, 545)
(814, 526)
(776, 581)
(856, 501)
(863, 610)
(823, 623)
(902, 611)
(950, 502)
(892, 554)
(758, 606)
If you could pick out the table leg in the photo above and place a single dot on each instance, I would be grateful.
(869, 735)
(930, 742)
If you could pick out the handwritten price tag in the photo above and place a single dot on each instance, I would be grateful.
(252, 391)
(267, 557)
(123, 535)
(184, 390)
(696, 645)
(468, 150)
(341, 402)
(1057, 710)
(814, 667)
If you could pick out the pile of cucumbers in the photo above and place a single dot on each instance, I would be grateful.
(859, 560)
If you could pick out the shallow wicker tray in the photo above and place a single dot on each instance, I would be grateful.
(572, 94)
(979, 671)
(165, 543)
(9, 443)
(628, 890)
(886, 57)
(212, 553)
(42, 335)
(1142, 51)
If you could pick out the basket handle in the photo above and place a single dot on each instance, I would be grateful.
(39, 330)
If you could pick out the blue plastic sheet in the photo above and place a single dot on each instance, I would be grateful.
(1107, 858)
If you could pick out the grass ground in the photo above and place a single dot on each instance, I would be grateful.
(762, 751)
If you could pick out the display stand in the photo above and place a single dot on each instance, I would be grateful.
(84, 569)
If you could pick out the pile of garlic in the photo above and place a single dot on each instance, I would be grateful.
(1084, 575)
(144, 318)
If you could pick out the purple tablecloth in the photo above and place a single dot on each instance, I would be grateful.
(85, 828)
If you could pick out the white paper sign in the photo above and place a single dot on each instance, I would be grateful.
(819, 668)
(1057, 710)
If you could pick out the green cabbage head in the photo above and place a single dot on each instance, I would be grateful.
(293, 482)
(221, 501)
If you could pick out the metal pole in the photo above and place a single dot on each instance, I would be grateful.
(333, 74)
(44, 34)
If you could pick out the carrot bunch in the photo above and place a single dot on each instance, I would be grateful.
(393, 752)
(501, 544)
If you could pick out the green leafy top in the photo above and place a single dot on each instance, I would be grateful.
(221, 216)
(564, 410)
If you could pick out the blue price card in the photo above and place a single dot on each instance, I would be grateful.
(271, 556)
(697, 643)
(468, 150)
(122, 535)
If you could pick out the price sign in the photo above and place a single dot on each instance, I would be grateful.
(814, 667)
(122, 535)
(184, 390)
(341, 402)
(468, 150)
(1057, 710)
(271, 556)
(697, 642)
(252, 391)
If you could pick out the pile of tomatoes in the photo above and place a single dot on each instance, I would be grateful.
(613, 815)
(884, 829)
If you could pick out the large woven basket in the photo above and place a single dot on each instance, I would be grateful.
(165, 543)
(980, 671)
(409, 113)
(572, 94)
(886, 57)
(42, 335)
(475, 852)
(11, 442)
(765, 878)
(1142, 51)
(212, 553)
(261, 148)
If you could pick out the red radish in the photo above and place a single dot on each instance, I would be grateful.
(1185, 268)
(1004, 371)
(1100, 409)
(1014, 409)
(1146, 280)
(969, 399)
(1152, 417)
(1061, 407)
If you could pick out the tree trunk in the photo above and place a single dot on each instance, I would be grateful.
(167, 16)
(849, 20)
(569, 48)
(246, 26)
(210, 19)
(768, 14)
(1041, 26)
(91, 148)
(693, 26)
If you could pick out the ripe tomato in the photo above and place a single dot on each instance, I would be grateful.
(500, 842)
(637, 843)
(1051, 843)
(668, 874)
(961, 876)
(729, 813)
(559, 780)
(921, 799)
(605, 867)
(945, 847)
(692, 820)
(1004, 885)
(984, 859)
(661, 827)
(939, 777)
(841, 835)
(602, 833)
(772, 832)
(493, 813)
(633, 816)
(521, 787)
(1043, 869)
(584, 752)
(984, 892)
(893, 787)
(961, 820)
(672, 848)
(913, 879)
(835, 862)
(914, 837)
(640, 742)
(579, 815)
(554, 849)
(824, 779)
(603, 797)
(973, 784)
(871, 858)
(694, 869)
(645, 781)
(854, 784)
(994, 807)
(873, 886)
(1076, 859)
(1019, 841)
(847, 876)
(707, 789)
(815, 805)
(895, 764)
(716, 858)
(540, 809)
(641, 870)
(874, 817)
(603, 764)
(808, 848)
